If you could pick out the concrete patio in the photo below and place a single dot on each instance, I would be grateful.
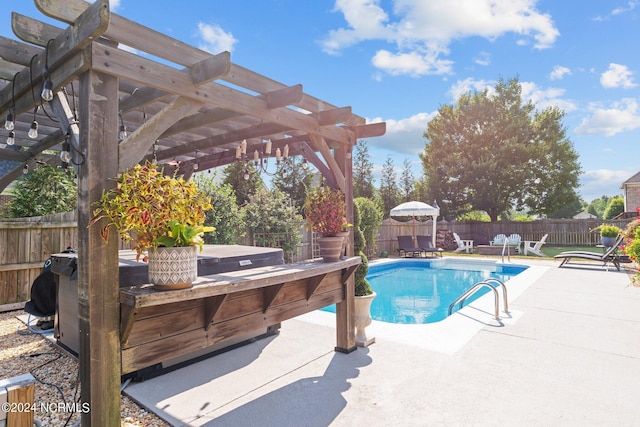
(568, 355)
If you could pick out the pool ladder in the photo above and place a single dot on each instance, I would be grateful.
(475, 288)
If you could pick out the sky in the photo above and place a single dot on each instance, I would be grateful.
(398, 61)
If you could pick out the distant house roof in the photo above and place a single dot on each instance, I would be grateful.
(584, 215)
(635, 179)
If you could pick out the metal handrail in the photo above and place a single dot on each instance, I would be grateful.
(472, 290)
(504, 292)
(506, 246)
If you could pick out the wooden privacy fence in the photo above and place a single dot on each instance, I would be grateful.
(25, 244)
(562, 232)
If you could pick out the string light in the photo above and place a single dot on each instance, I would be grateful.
(47, 87)
(9, 124)
(122, 135)
(33, 131)
(65, 154)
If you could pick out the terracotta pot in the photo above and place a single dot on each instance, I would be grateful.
(363, 319)
(173, 268)
(345, 237)
(330, 248)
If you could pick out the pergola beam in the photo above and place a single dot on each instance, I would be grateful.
(132, 67)
(133, 149)
(320, 144)
(89, 26)
(144, 39)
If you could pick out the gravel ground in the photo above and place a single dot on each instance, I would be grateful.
(56, 373)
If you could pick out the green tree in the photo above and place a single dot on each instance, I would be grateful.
(370, 220)
(407, 182)
(294, 179)
(244, 179)
(572, 207)
(388, 190)
(362, 171)
(492, 152)
(615, 207)
(598, 206)
(45, 190)
(226, 216)
(274, 221)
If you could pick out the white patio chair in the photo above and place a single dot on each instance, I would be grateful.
(515, 240)
(463, 245)
(498, 240)
(535, 247)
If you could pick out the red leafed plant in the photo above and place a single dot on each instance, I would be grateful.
(325, 211)
(152, 209)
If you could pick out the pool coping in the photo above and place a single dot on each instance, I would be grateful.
(448, 336)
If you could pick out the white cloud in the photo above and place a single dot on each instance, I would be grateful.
(630, 6)
(423, 30)
(483, 58)
(617, 76)
(114, 5)
(549, 97)
(412, 63)
(403, 136)
(215, 39)
(621, 116)
(559, 72)
(602, 182)
(469, 85)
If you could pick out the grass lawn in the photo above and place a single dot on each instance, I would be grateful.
(551, 251)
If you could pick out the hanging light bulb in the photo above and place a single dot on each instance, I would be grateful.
(47, 87)
(65, 155)
(33, 131)
(195, 167)
(25, 169)
(9, 125)
(122, 135)
(47, 90)
(11, 139)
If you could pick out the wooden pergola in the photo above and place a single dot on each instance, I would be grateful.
(183, 106)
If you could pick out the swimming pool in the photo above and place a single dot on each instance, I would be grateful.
(417, 291)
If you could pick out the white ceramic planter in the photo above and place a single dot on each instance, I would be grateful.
(363, 319)
(173, 268)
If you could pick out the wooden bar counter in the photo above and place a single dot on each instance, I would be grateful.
(156, 326)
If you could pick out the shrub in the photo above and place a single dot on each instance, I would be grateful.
(45, 190)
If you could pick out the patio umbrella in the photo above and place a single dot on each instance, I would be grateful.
(417, 209)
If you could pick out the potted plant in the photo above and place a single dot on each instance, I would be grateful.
(608, 234)
(364, 294)
(163, 216)
(326, 214)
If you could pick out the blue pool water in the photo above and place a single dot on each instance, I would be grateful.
(420, 291)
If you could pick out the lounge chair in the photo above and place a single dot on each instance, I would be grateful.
(463, 245)
(406, 247)
(426, 244)
(535, 247)
(608, 256)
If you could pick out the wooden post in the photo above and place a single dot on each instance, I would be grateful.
(98, 282)
(345, 323)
